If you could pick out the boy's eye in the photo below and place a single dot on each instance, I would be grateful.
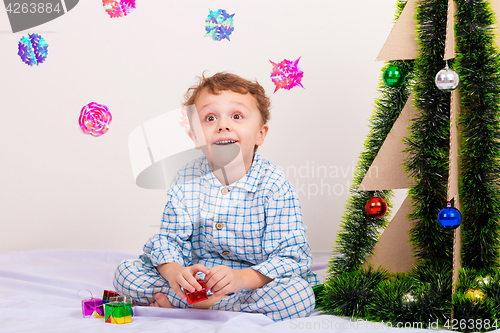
(210, 118)
(237, 116)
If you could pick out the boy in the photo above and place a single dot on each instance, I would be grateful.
(232, 218)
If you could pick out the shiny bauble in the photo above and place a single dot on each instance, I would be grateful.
(394, 76)
(476, 295)
(447, 79)
(376, 207)
(408, 298)
(449, 218)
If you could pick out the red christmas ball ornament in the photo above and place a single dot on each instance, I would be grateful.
(376, 207)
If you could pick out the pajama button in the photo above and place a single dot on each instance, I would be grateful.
(225, 190)
(225, 253)
(219, 226)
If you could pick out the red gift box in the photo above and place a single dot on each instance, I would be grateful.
(108, 294)
(197, 296)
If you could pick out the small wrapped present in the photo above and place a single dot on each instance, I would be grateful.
(92, 308)
(197, 296)
(123, 299)
(118, 312)
(108, 294)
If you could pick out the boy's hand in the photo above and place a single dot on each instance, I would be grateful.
(182, 277)
(223, 280)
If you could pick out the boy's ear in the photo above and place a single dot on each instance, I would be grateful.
(262, 134)
(194, 138)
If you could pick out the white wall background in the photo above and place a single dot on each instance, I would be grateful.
(60, 188)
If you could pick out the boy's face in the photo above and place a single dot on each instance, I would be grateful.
(229, 124)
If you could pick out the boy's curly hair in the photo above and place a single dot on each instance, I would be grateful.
(223, 81)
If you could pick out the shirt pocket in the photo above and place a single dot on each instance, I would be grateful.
(248, 230)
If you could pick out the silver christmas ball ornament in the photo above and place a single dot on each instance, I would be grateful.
(408, 298)
(447, 79)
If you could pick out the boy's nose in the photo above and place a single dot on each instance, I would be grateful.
(223, 126)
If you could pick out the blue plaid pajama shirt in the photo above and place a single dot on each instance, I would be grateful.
(255, 222)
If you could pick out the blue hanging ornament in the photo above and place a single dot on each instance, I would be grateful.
(449, 218)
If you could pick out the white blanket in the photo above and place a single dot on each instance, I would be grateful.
(40, 291)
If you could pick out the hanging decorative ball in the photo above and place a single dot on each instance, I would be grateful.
(376, 207)
(476, 295)
(394, 76)
(483, 281)
(449, 218)
(318, 290)
(447, 79)
(408, 298)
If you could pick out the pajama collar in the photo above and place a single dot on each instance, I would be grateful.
(249, 182)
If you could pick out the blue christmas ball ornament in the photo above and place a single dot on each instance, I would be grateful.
(449, 218)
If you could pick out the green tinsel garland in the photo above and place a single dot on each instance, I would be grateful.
(421, 296)
(359, 233)
(429, 142)
(476, 314)
(349, 293)
(479, 68)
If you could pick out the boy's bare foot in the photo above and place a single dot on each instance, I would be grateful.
(161, 301)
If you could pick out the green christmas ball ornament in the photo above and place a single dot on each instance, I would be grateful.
(394, 76)
(319, 290)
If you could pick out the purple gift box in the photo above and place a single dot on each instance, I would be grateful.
(92, 308)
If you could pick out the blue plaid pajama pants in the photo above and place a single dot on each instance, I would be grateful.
(282, 298)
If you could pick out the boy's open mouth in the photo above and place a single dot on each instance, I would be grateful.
(225, 142)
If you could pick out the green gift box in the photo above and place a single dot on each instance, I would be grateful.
(118, 312)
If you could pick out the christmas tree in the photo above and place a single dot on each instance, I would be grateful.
(444, 147)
